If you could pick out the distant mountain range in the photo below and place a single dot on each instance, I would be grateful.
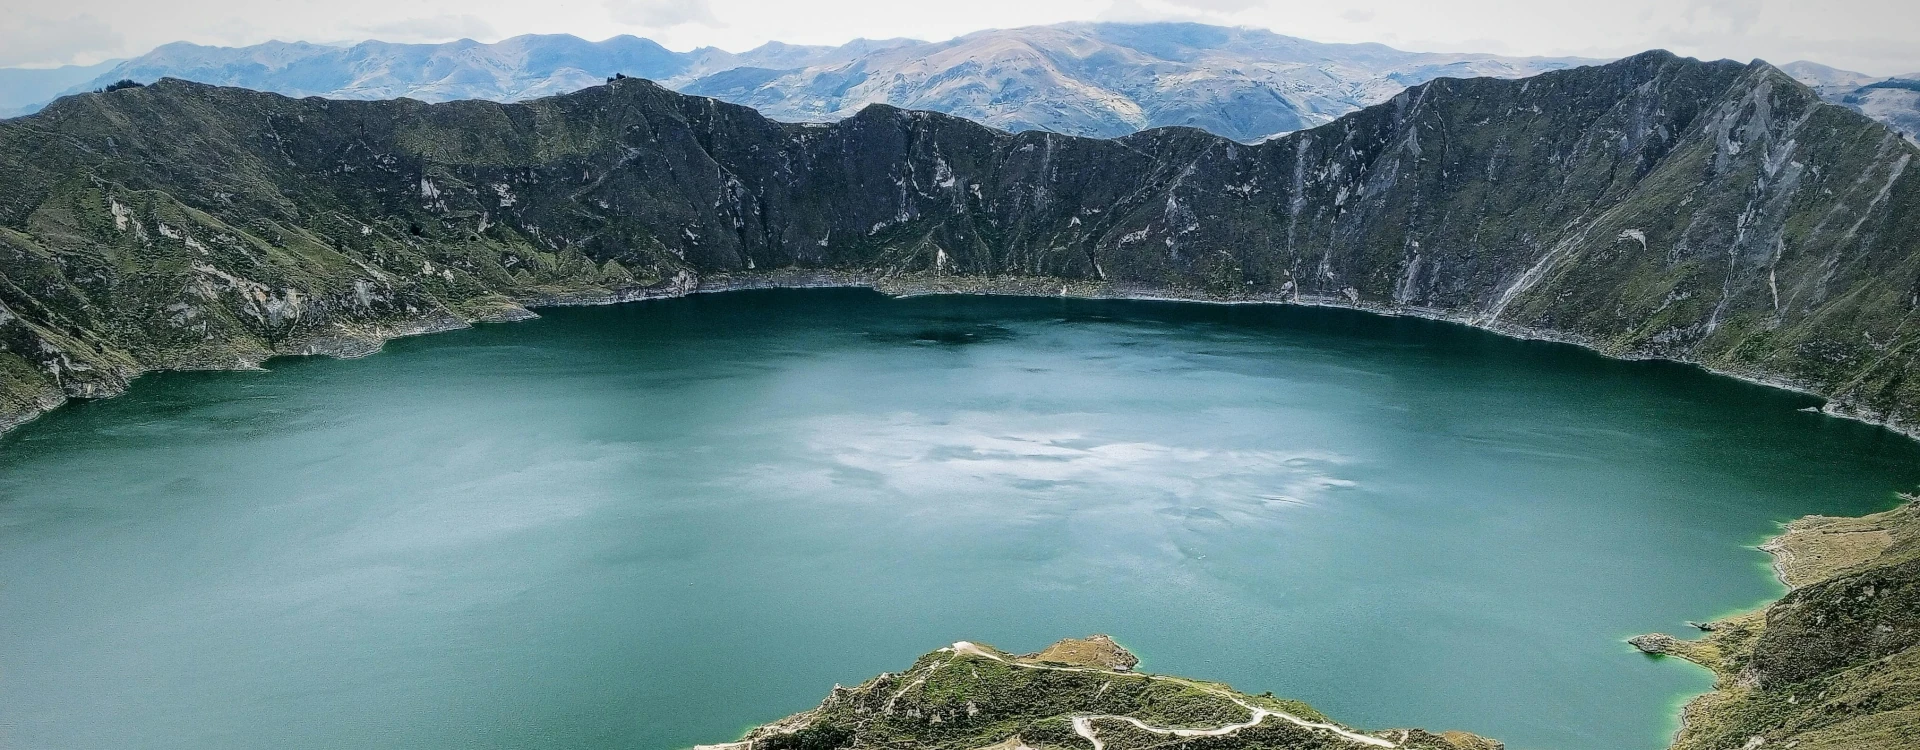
(1100, 80)
(1108, 80)
(1894, 101)
(1710, 212)
(1653, 207)
(1090, 79)
(24, 90)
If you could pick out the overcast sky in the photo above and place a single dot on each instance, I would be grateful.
(1881, 37)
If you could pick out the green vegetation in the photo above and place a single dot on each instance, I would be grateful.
(968, 696)
(1832, 665)
(1652, 207)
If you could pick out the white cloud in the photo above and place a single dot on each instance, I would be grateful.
(662, 14)
(1146, 11)
(1218, 6)
(440, 28)
(1737, 16)
(31, 40)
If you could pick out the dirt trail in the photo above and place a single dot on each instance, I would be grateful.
(1083, 725)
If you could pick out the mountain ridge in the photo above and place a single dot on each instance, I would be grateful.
(1081, 79)
(1489, 269)
(1107, 80)
(1655, 207)
(1894, 100)
(1093, 79)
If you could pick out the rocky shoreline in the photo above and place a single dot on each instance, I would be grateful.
(921, 285)
(1833, 663)
(360, 341)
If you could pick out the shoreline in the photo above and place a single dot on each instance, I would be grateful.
(353, 343)
(1791, 556)
(1021, 286)
(1781, 547)
(1807, 555)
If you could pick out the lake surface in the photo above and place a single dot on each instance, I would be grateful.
(656, 524)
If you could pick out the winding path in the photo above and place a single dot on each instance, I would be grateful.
(1083, 725)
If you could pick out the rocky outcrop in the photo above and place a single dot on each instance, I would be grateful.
(1654, 207)
(1095, 651)
(970, 696)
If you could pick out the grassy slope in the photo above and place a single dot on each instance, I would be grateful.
(966, 697)
(1831, 666)
(1653, 207)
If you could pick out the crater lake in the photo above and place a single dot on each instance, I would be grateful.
(657, 524)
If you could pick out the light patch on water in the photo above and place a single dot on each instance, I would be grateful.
(577, 532)
(1053, 487)
(914, 455)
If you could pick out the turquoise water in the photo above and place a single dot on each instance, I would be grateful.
(651, 525)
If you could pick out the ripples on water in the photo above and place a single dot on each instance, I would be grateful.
(656, 524)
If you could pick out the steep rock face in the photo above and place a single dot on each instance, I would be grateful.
(1653, 207)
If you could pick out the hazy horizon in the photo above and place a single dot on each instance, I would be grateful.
(1845, 34)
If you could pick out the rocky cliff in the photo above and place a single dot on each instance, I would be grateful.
(1653, 207)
